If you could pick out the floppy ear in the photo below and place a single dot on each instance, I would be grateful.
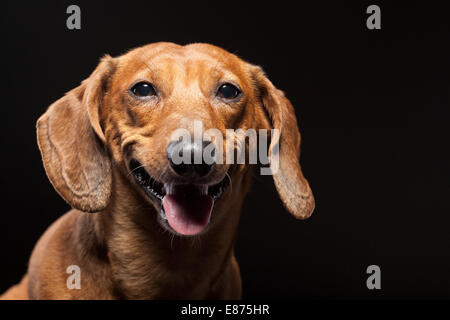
(291, 185)
(71, 142)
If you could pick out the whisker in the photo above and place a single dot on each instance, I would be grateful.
(141, 166)
(171, 241)
(229, 179)
(196, 240)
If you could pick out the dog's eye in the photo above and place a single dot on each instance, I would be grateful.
(143, 89)
(228, 91)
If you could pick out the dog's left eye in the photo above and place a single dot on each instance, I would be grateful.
(143, 89)
(228, 91)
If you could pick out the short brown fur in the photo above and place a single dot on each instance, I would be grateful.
(86, 139)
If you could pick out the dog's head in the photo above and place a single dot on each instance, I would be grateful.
(141, 113)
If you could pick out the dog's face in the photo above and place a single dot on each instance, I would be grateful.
(129, 113)
(160, 89)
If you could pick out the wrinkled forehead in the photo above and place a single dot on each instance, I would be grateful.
(170, 62)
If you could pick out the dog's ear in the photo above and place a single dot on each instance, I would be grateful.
(284, 148)
(71, 142)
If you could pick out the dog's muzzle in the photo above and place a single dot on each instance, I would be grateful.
(186, 205)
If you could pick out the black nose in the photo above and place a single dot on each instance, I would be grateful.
(189, 158)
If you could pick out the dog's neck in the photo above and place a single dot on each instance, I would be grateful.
(138, 246)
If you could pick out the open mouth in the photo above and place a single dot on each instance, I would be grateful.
(186, 208)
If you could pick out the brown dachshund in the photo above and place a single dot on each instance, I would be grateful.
(144, 226)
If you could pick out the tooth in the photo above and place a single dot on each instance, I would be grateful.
(162, 214)
(204, 189)
(168, 188)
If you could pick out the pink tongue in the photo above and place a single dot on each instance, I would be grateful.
(187, 210)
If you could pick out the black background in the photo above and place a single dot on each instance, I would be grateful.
(373, 108)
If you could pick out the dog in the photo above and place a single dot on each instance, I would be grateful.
(142, 225)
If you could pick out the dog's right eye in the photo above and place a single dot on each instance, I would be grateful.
(143, 89)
